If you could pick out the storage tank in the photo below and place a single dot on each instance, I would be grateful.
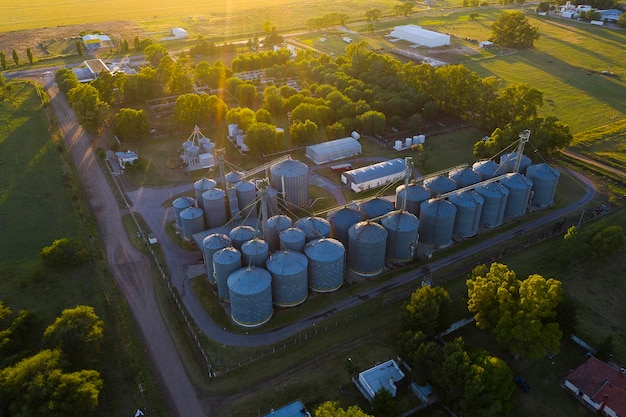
(191, 221)
(292, 238)
(408, 142)
(397, 144)
(402, 228)
(519, 194)
(246, 197)
(326, 259)
(179, 205)
(192, 151)
(414, 195)
(200, 187)
(439, 185)
(225, 262)
(211, 244)
(469, 207)
(290, 282)
(241, 234)
(254, 252)
(291, 179)
(367, 242)
(486, 169)
(272, 201)
(341, 220)
(313, 227)
(437, 222)
(214, 202)
(464, 177)
(233, 178)
(206, 146)
(509, 160)
(275, 225)
(250, 293)
(545, 180)
(495, 196)
(375, 207)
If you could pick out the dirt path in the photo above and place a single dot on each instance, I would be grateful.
(130, 268)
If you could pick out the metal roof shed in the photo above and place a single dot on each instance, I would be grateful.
(333, 150)
(294, 409)
(384, 375)
(375, 175)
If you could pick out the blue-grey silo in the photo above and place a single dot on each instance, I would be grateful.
(272, 201)
(545, 180)
(508, 162)
(192, 221)
(464, 177)
(211, 244)
(414, 195)
(200, 186)
(192, 151)
(250, 293)
(439, 185)
(402, 235)
(313, 227)
(519, 194)
(375, 207)
(487, 169)
(290, 281)
(233, 178)
(225, 262)
(254, 252)
(495, 196)
(179, 205)
(241, 234)
(437, 222)
(246, 197)
(275, 225)
(291, 179)
(367, 243)
(292, 238)
(469, 207)
(327, 257)
(215, 214)
(340, 221)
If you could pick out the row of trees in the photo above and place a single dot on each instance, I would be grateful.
(4, 63)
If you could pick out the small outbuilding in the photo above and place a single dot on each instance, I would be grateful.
(95, 41)
(385, 375)
(375, 175)
(333, 150)
(420, 36)
(294, 409)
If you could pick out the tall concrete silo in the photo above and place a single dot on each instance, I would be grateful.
(366, 248)
(246, 197)
(414, 195)
(437, 222)
(192, 221)
(545, 180)
(326, 260)
(211, 244)
(495, 196)
(179, 205)
(292, 238)
(487, 169)
(375, 207)
(241, 234)
(402, 234)
(509, 161)
(254, 252)
(340, 221)
(200, 186)
(439, 185)
(519, 194)
(250, 293)
(464, 177)
(225, 262)
(275, 225)
(469, 207)
(215, 214)
(290, 282)
(291, 179)
(313, 227)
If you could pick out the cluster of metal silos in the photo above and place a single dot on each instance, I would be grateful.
(402, 235)
(275, 225)
(367, 242)
(411, 196)
(291, 179)
(437, 218)
(469, 206)
(313, 227)
(545, 180)
(211, 244)
(375, 207)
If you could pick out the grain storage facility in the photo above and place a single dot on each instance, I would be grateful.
(509, 161)
(366, 248)
(241, 234)
(519, 194)
(275, 225)
(254, 252)
(225, 262)
(545, 180)
(214, 202)
(200, 187)
(375, 207)
(414, 194)
(486, 169)
(326, 260)
(469, 207)
(341, 220)
(439, 185)
(333, 150)
(246, 198)
(290, 282)
(192, 221)
(250, 293)
(313, 227)
(291, 179)
(211, 244)
(464, 177)
(292, 238)
(402, 228)
(375, 175)
(495, 196)
(437, 222)
(179, 205)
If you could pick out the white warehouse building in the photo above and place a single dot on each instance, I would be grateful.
(333, 150)
(418, 35)
(375, 175)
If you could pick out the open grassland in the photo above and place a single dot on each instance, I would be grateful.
(606, 142)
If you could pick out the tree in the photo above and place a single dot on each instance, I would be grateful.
(89, 109)
(332, 409)
(242, 116)
(621, 20)
(512, 30)
(542, 7)
(336, 131)
(63, 252)
(80, 49)
(373, 14)
(29, 55)
(181, 80)
(154, 53)
(273, 101)
(263, 116)
(65, 79)
(15, 341)
(3, 60)
(303, 133)
(384, 404)
(261, 138)
(474, 15)
(596, 242)
(108, 85)
(373, 122)
(16, 58)
(246, 94)
(131, 125)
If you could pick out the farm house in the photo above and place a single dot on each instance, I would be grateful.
(373, 176)
(418, 35)
(333, 150)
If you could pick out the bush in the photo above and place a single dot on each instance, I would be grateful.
(63, 252)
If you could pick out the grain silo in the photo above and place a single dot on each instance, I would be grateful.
(191, 221)
(414, 195)
(340, 221)
(250, 293)
(439, 185)
(233, 178)
(292, 238)
(464, 177)
(495, 196)
(326, 259)
(211, 244)
(215, 213)
(254, 252)
(545, 180)
(291, 179)
(402, 233)
(225, 262)
(246, 197)
(179, 205)
(375, 207)
(313, 227)
(509, 161)
(486, 169)
(469, 207)
(367, 242)
(272, 201)
(192, 151)
(290, 282)
(519, 194)
(200, 186)
(241, 234)
(437, 222)
(275, 225)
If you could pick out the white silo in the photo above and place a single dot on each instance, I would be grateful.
(246, 197)
(366, 248)
(200, 187)
(437, 222)
(340, 221)
(439, 185)
(211, 244)
(313, 227)
(250, 293)
(291, 179)
(545, 180)
(254, 252)
(519, 194)
(292, 238)
(290, 282)
(192, 221)
(495, 196)
(215, 213)
(326, 260)
(179, 205)
(464, 177)
(469, 207)
(487, 169)
(414, 195)
(375, 207)
(225, 262)
(275, 225)
(241, 234)
(402, 234)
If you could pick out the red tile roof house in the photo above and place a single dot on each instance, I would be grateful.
(599, 386)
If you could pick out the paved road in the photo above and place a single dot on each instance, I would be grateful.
(576, 155)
